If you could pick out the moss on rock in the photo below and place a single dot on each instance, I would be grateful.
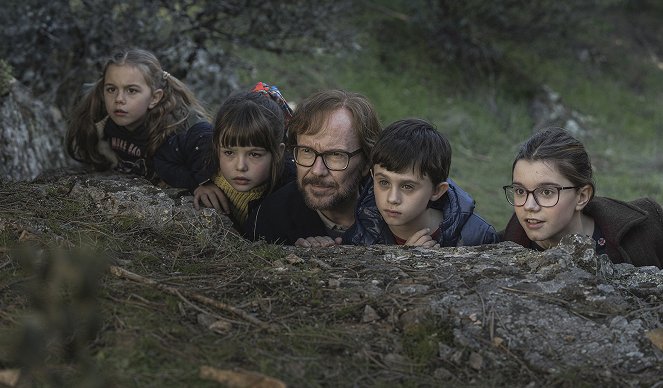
(5, 77)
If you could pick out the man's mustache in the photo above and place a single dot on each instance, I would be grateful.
(317, 182)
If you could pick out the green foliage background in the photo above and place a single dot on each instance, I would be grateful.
(602, 59)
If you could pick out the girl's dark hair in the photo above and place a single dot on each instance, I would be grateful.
(413, 144)
(251, 119)
(178, 107)
(556, 146)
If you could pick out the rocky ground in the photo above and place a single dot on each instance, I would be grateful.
(109, 281)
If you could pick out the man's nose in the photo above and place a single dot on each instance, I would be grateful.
(319, 168)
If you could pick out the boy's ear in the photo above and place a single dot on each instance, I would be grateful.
(439, 190)
(367, 170)
(584, 195)
(156, 97)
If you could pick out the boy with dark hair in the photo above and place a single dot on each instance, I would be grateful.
(411, 200)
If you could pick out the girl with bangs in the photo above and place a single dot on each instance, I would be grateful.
(249, 133)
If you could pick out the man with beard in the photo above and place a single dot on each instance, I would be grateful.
(331, 135)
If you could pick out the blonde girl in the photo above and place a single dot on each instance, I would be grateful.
(139, 119)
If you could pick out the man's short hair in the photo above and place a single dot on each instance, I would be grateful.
(415, 144)
(312, 114)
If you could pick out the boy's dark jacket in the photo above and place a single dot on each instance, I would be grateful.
(633, 230)
(460, 225)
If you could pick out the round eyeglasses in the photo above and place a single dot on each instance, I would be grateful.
(544, 196)
(334, 160)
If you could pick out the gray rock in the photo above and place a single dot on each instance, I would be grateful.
(31, 136)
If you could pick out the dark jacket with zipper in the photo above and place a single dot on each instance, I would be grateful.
(633, 230)
(459, 226)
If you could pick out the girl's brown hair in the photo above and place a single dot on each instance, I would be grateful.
(177, 108)
(556, 146)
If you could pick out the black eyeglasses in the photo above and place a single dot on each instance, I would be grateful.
(544, 196)
(334, 160)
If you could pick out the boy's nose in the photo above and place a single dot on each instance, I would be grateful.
(393, 196)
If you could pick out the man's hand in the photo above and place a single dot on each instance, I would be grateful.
(422, 238)
(318, 242)
(210, 195)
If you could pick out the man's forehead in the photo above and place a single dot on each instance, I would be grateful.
(330, 140)
(335, 132)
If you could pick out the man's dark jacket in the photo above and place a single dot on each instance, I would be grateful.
(283, 217)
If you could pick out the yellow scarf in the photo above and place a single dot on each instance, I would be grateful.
(239, 200)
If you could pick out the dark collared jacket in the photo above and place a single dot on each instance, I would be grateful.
(185, 159)
(282, 217)
(633, 230)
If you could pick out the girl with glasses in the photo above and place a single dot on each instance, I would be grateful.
(552, 192)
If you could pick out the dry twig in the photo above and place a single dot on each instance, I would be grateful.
(123, 273)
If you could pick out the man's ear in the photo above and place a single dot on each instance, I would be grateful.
(281, 149)
(584, 195)
(439, 190)
(157, 95)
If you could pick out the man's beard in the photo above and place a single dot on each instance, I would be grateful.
(343, 196)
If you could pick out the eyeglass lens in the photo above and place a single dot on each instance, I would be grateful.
(544, 196)
(333, 160)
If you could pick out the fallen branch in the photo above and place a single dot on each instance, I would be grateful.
(123, 273)
(239, 378)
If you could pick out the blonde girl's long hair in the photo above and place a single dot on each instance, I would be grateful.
(177, 108)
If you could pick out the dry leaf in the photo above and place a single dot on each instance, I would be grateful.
(498, 341)
(239, 379)
(294, 259)
(656, 337)
(221, 327)
(25, 235)
(10, 376)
